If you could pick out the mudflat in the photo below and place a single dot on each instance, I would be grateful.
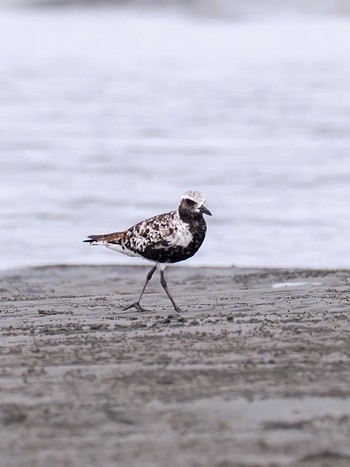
(254, 372)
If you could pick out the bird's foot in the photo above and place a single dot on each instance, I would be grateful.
(177, 309)
(137, 306)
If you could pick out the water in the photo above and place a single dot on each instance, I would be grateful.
(108, 115)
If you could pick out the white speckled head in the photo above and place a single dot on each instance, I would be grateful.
(196, 196)
(192, 204)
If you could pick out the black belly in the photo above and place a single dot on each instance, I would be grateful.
(174, 254)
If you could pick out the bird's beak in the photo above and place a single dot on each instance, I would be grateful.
(205, 210)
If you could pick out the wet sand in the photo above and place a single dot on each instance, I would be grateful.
(254, 372)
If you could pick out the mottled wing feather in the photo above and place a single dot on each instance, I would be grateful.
(150, 232)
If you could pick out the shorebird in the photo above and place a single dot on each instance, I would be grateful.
(167, 238)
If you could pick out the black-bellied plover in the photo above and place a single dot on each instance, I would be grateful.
(163, 239)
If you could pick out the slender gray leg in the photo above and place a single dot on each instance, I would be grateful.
(137, 304)
(165, 287)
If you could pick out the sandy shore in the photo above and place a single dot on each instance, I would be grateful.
(254, 372)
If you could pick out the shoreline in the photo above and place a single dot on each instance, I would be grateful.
(255, 371)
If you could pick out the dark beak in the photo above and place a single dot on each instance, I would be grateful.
(204, 210)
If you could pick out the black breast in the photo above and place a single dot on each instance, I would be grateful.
(162, 252)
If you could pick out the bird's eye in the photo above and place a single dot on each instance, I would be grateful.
(190, 201)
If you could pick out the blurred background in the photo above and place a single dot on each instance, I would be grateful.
(110, 110)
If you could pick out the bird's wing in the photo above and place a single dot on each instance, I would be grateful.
(157, 230)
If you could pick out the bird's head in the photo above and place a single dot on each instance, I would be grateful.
(192, 205)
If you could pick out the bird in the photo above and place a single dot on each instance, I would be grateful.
(163, 239)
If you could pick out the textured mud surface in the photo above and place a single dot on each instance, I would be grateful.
(254, 372)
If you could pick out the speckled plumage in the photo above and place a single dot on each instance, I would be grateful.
(167, 238)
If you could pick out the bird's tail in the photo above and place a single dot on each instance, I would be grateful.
(113, 238)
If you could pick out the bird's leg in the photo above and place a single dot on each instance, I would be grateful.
(165, 287)
(137, 304)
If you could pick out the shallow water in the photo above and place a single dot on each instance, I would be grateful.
(108, 115)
